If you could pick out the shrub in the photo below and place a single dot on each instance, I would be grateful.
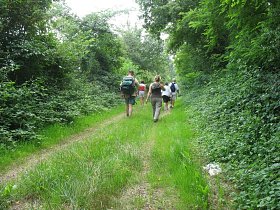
(33, 105)
(241, 113)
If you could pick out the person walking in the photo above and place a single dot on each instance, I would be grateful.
(141, 92)
(166, 94)
(129, 91)
(174, 92)
(155, 93)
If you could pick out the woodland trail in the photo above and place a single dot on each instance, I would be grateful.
(141, 191)
(105, 167)
(15, 170)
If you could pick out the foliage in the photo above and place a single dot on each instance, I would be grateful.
(228, 51)
(28, 49)
(241, 124)
(54, 67)
(104, 51)
(146, 52)
(27, 108)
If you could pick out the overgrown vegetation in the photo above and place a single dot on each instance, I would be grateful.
(241, 131)
(175, 164)
(227, 55)
(55, 66)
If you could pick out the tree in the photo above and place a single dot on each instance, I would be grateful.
(145, 51)
(104, 52)
(28, 48)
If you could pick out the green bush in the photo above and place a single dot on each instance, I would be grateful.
(29, 107)
(241, 115)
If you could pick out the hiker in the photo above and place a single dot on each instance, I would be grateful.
(155, 93)
(174, 92)
(128, 89)
(166, 94)
(141, 92)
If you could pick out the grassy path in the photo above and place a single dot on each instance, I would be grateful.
(16, 169)
(129, 163)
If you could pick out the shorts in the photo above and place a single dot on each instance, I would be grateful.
(173, 96)
(141, 94)
(165, 99)
(130, 100)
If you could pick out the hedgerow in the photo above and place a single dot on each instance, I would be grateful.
(240, 112)
(29, 107)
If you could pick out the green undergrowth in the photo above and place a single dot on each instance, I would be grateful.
(51, 136)
(238, 116)
(91, 174)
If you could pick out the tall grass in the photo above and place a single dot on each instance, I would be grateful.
(92, 173)
(174, 162)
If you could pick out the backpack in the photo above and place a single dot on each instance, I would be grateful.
(156, 87)
(172, 87)
(142, 87)
(128, 85)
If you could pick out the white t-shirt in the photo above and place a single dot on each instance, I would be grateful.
(176, 88)
(166, 92)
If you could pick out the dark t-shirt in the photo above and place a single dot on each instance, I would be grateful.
(156, 90)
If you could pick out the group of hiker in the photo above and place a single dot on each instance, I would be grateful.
(158, 92)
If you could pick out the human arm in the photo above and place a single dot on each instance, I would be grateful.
(177, 89)
(149, 92)
(162, 86)
(136, 82)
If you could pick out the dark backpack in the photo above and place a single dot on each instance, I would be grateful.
(172, 87)
(156, 87)
(128, 85)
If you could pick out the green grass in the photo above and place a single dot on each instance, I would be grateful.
(91, 174)
(51, 135)
(174, 163)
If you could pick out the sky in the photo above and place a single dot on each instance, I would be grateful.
(84, 7)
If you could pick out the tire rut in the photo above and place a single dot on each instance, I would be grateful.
(142, 195)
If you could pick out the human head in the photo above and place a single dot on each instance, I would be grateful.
(142, 82)
(166, 83)
(174, 80)
(131, 72)
(157, 78)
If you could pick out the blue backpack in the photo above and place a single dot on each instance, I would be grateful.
(172, 87)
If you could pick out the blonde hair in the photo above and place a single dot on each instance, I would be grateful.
(157, 78)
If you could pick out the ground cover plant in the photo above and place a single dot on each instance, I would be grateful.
(240, 121)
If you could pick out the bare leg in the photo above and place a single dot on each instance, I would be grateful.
(127, 110)
(130, 109)
(141, 101)
(165, 106)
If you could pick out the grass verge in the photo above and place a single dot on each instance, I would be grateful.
(51, 136)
